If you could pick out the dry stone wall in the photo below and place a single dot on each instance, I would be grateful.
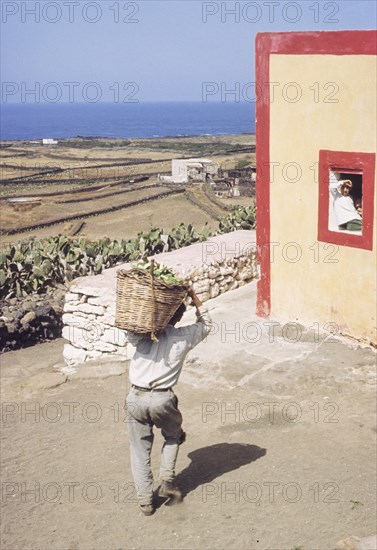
(31, 320)
(220, 264)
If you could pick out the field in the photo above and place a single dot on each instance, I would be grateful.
(110, 186)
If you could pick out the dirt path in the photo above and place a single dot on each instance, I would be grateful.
(280, 450)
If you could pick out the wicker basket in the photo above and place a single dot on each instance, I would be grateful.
(145, 304)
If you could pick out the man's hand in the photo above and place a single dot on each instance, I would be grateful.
(195, 300)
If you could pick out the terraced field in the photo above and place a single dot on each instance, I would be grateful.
(110, 185)
(47, 211)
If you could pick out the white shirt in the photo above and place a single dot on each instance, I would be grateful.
(344, 207)
(159, 364)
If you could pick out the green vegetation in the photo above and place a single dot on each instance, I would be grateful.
(242, 217)
(355, 504)
(161, 272)
(190, 148)
(36, 265)
(90, 143)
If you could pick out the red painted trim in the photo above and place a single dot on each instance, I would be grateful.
(349, 170)
(323, 42)
(364, 163)
(263, 176)
(301, 43)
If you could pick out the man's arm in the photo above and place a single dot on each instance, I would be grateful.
(202, 314)
(335, 186)
(195, 300)
(203, 324)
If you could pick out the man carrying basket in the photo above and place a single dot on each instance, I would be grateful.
(154, 370)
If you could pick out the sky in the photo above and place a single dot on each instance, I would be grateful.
(149, 50)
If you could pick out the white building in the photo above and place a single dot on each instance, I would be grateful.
(49, 141)
(191, 170)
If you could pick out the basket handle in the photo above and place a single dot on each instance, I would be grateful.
(153, 336)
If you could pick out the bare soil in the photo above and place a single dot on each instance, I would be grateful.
(280, 450)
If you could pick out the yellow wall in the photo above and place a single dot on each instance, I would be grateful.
(343, 292)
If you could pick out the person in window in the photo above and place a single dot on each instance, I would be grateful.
(359, 206)
(347, 216)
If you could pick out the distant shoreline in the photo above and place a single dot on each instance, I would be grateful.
(105, 138)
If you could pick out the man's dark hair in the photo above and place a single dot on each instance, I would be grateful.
(178, 314)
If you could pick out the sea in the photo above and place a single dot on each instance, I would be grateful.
(28, 121)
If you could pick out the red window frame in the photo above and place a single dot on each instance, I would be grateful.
(351, 163)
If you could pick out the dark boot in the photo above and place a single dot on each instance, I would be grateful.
(169, 490)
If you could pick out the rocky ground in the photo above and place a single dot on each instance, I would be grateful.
(35, 318)
(280, 450)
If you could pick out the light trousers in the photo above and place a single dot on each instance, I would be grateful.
(145, 410)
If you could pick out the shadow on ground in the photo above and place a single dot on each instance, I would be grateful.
(211, 462)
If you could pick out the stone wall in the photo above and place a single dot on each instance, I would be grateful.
(220, 264)
(32, 319)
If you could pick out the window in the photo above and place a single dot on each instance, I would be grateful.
(345, 202)
(346, 198)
